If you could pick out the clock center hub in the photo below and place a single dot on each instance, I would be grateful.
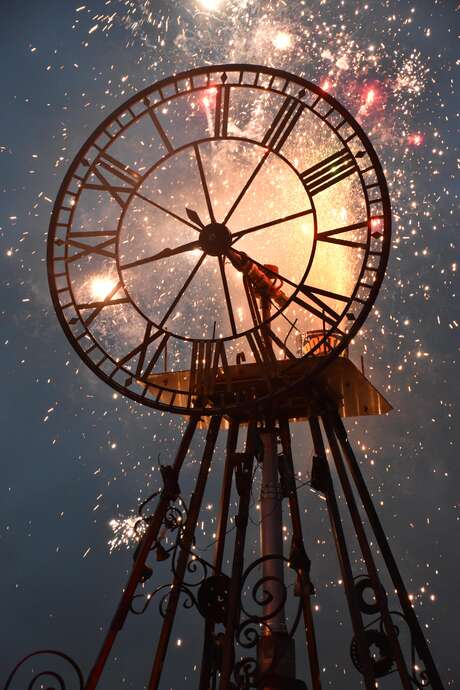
(215, 239)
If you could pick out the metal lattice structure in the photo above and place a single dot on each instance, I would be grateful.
(161, 265)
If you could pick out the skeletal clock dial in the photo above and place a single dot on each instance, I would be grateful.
(225, 217)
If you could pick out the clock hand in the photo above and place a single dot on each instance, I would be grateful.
(204, 183)
(194, 217)
(237, 235)
(227, 294)
(166, 210)
(246, 187)
(164, 254)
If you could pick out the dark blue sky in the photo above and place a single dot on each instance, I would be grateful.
(73, 457)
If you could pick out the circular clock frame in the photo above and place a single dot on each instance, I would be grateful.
(298, 96)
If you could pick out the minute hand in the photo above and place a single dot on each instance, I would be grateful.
(237, 235)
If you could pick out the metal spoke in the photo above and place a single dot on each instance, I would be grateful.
(227, 294)
(166, 210)
(204, 183)
(183, 289)
(164, 254)
(246, 187)
(237, 235)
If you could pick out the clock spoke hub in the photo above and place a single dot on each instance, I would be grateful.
(215, 239)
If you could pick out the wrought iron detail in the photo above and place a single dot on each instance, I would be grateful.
(254, 627)
(363, 583)
(384, 664)
(213, 598)
(54, 679)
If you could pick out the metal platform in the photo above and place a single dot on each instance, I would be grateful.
(341, 381)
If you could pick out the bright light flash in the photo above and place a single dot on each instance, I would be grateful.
(206, 99)
(282, 40)
(211, 4)
(101, 286)
(415, 139)
(370, 97)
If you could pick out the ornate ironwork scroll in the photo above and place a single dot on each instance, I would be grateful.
(69, 677)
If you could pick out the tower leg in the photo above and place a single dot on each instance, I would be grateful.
(379, 592)
(324, 483)
(243, 473)
(207, 668)
(302, 560)
(185, 546)
(149, 539)
(418, 637)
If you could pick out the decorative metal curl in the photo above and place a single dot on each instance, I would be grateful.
(385, 665)
(259, 595)
(37, 680)
(262, 597)
(363, 583)
(196, 566)
(176, 516)
(147, 599)
(246, 672)
(248, 632)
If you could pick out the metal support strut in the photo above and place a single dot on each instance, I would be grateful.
(149, 538)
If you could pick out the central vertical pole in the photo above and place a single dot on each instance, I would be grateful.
(271, 530)
(276, 652)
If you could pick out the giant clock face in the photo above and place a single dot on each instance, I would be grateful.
(212, 164)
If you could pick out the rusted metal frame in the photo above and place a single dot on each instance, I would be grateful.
(185, 548)
(379, 592)
(298, 544)
(232, 439)
(241, 523)
(416, 632)
(149, 538)
(343, 556)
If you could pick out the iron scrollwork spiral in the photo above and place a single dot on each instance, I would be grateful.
(65, 674)
(197, 568)
(247, 672)
(377, 638)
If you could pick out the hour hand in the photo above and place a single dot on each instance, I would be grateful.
(194, 217)
(164, 254)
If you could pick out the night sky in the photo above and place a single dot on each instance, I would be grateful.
(76, 456)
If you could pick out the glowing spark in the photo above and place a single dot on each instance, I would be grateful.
(210, 93)
(101, 287)
(415, 139)
(370, 97)
(125, 533)
(211, 4)
(282, 40)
